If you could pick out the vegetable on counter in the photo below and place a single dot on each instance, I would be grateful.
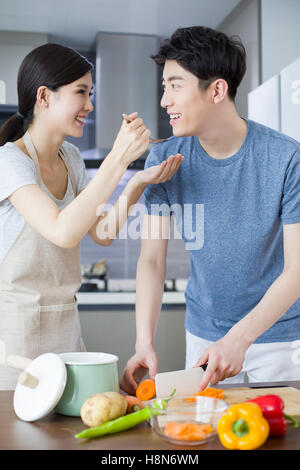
(272, 407)
(146, 390)
(120, 424)
(243, 427)
(133, 404)
(188, 431)
(102, 407)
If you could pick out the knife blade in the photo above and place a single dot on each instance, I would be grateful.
(186, 381)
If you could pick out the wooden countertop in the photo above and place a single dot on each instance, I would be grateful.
(56, 432)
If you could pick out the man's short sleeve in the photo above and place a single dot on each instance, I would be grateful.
(156, 197)
(290, 203)
(16, 170)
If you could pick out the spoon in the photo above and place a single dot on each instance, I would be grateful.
(153, 141)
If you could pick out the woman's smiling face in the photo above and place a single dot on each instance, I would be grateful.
(187, 105)
(70, 105)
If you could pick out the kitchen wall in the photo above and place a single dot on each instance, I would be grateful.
(280, 35)
(14, 46)
(244, 21)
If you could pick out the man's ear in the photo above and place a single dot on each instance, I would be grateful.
(219, 88)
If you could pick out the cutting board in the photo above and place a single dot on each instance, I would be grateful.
(290, 396)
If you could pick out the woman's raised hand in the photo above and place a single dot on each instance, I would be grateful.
(132, 140)
(160, 173)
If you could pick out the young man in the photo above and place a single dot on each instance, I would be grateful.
(242, 298)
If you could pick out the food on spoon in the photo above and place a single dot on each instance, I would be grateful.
(133, 404)
(188, 431)
(146, 390)
(208, 392)
(102, 407)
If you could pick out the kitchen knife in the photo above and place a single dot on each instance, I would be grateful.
(186, 382)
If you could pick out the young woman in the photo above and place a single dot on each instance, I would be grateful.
(47, 204)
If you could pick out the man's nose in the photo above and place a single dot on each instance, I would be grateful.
(165, 100)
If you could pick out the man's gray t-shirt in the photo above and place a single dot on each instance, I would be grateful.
(17, 170)
(246, 199)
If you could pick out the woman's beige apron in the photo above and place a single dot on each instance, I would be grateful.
(38, 286)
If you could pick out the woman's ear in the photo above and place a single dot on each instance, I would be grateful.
(42, 97)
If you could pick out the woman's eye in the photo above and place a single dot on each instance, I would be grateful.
(82, 92)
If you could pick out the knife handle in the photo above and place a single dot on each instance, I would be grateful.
(204, 366)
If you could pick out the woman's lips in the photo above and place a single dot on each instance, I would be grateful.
(80, 120)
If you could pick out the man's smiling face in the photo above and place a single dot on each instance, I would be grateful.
(187, 105)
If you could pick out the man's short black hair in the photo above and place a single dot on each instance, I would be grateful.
(206, 53)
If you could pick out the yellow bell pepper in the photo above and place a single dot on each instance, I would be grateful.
(243, 427)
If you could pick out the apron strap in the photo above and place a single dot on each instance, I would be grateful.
(32, 152)
(70, 171)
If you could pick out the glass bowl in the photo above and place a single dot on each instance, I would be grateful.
(189, 409)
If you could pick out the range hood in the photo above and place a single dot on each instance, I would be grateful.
(126, 81)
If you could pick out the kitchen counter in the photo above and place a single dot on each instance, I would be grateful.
(123, 298)
(56, 432)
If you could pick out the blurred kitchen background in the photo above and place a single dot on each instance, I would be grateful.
(119, 36)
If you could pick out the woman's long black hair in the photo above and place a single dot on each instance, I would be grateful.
(50, 65)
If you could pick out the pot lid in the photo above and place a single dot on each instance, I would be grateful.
(40, 386)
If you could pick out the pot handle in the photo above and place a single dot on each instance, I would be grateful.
(18, 362)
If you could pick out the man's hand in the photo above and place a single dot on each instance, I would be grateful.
(225, 359)
(136, 368)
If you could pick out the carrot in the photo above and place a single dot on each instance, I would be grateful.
(188, 431)
(133, 404)
(146, 390)
(208, 392)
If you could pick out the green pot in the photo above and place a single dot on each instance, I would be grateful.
(87, 373)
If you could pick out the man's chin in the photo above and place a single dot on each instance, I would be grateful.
(180, 133)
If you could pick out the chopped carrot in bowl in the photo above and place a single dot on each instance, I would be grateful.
(188, 431)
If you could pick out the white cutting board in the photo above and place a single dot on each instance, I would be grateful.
(186, 382)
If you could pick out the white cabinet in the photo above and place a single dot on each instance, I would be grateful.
(290, 100)
(276, 103)
(264, 103)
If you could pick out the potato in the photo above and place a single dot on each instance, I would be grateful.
(102, 407)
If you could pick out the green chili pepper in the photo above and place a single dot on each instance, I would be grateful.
(120, 424)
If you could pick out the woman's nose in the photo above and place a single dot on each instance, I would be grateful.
(89, 105)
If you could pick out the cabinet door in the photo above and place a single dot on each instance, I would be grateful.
(113, 331)
(264, 103)
(290, 100)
